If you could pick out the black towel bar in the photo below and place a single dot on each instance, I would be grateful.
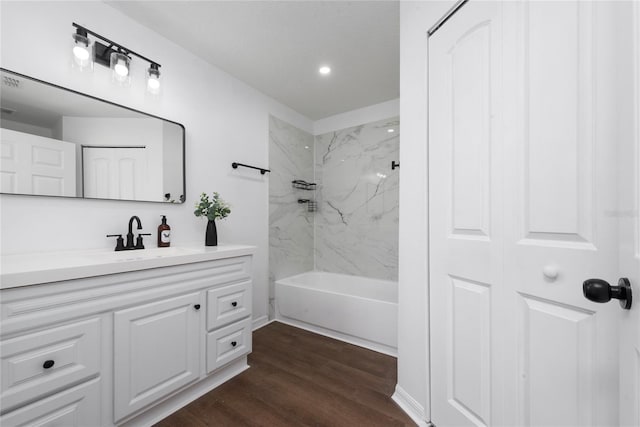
(262, 170)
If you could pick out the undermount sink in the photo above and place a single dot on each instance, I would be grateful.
(141, 254)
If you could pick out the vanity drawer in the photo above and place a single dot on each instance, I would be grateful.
(76, 407)
(228, 304)
(228, 343)
(43, 362)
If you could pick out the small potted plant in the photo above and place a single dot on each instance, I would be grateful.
(212, 208)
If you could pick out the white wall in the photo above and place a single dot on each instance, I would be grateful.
(33, 129)
(225, 121)
(358, 117)
(413, 364)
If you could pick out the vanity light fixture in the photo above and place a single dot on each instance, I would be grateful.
(113, 55)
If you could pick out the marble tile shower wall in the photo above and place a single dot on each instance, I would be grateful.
(290, 224)
(356, 226)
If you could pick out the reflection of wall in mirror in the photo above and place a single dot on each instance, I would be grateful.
(33, 164)
(173, 183)
(123, 132)
(29, 128)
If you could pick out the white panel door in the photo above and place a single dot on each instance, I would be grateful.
(465, 217)
(560, 188)
(117, 173)
(32, 164)
(157, 351)
(524, 156)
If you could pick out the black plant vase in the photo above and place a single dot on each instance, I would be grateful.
(211, 238)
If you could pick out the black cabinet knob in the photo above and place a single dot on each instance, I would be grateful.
(233, 304)
(197, 306)
(233, 343)
(48, 364)
(598, 290)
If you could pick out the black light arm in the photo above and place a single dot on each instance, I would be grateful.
(112, 44)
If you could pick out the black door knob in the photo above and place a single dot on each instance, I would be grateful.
(48, 364)
(233, 304)
(233, 343)
(197, 306)
(598, 290)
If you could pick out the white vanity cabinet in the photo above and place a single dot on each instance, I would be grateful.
(127, 348)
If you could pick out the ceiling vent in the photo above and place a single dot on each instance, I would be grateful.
(11, 82)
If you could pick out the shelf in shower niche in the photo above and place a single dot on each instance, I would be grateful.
(312, 205)
(303, 185)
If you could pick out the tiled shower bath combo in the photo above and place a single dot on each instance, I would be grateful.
(352, 232)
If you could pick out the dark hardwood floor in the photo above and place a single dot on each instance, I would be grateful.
(298, 378)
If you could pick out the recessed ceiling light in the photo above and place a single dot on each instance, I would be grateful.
(324, 70)
(390, 130)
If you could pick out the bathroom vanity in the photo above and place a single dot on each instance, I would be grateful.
(104, 338)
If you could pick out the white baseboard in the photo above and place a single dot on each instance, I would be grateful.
(380, 348)
(410, 406)
(191, 393)
(260, 322)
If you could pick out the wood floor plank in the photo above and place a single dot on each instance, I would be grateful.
(298, 378)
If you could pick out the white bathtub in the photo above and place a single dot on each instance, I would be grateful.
(357, 310)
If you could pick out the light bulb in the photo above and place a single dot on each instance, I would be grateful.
(153, 83)
(81, 52)
(121, 69)
(324, 70)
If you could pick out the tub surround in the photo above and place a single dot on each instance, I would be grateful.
(290, 224)
(125, 348)
(356, 228)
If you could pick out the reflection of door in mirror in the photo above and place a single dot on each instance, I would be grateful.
(117, 173)
(33, 164)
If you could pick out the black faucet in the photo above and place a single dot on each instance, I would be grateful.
(130, 244)
(120, 246)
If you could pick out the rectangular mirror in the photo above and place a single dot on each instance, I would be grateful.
(58, 142)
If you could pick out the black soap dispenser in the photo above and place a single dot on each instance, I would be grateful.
(164, 234)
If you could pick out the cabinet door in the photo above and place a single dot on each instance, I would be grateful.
(156, 351)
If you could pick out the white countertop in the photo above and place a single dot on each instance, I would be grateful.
(44, 267)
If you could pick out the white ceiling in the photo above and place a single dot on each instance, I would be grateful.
(278, 46)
